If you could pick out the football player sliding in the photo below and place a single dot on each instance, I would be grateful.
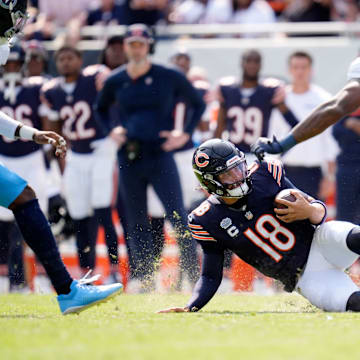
(19, 197)
(293, 244)
(346, 101)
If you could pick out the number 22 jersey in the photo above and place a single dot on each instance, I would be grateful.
(252, 230)
(73, 105)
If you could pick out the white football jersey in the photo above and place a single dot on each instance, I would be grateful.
(354, 69)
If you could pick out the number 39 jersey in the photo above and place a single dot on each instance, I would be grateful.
(27, 110)
(253, 232)
(247, 113)
(74, 107)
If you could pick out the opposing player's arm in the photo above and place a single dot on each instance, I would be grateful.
(8, 126)
(346, 101)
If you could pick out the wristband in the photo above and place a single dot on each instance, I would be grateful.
(325, 215)
(27, 132)
(288, 142)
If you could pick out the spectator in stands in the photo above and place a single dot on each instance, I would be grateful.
(108, 13)
(53, 15)
(113, 54)
(201, 11)
(310, 165)
(347, 10)
(36, 59)
(278, 6)
(223, 11)
(252, 12)
(308, 10)
(148, 12)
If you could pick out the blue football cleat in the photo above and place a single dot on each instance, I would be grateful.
(83, 295)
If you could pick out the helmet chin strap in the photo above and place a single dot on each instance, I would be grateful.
(239, 192)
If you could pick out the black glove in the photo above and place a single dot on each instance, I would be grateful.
(265, 145)
(62, 225)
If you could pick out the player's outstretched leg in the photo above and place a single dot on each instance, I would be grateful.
(73, 295)
(83, 295)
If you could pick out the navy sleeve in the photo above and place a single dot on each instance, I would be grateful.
(104, 100)
(290, 118)
(211, 276)
(185, 89)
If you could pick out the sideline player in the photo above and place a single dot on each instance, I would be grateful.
(16, 195)
(293, 245)
(89, 168)
(246, 106)
(181, 60)
(146, 94)
(20, 99)
(346, 101)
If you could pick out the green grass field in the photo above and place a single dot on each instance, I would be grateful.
(230, 327)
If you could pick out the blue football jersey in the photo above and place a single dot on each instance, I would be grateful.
(253, 232)
(247, 117)
(75, 109)
(25, 109)
(146, 104)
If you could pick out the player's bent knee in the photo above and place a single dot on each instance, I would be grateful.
(353, 304)
(27, 195)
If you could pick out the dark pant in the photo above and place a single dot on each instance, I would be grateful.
(11, 252)
(306, 179)
(348, 192)
(159, 170)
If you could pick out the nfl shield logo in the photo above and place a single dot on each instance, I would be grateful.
(148, 81)
(245, 100)
(249, 215)
(225, 223)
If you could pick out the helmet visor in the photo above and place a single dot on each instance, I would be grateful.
(234, 177)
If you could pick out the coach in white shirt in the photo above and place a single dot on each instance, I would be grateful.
(311, 164)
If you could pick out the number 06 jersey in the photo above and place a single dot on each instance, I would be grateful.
(252, 231)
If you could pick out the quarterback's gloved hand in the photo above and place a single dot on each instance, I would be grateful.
(265, 145)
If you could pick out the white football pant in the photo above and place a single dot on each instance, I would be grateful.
(89, 179)
(31, 168)
(188, 181)
(324, 282)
